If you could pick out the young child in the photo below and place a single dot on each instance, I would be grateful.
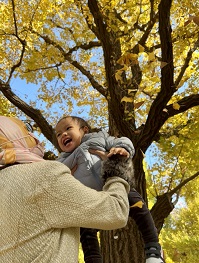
(75, 140)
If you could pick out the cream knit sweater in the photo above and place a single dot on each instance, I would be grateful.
(42, 207)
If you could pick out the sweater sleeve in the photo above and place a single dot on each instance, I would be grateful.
(65, 202)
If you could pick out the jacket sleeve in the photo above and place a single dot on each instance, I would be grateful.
(69, 159)
(122, 142)
(104, 142)
(65, 202)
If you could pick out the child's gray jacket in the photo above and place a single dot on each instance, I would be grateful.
(88, 169)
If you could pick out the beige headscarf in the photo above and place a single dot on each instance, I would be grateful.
(17, 144)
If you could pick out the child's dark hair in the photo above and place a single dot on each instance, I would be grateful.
(82, 123)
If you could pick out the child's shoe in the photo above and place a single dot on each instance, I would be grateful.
(154, 260)
(153, 253)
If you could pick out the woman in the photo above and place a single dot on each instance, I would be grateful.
(42, 206)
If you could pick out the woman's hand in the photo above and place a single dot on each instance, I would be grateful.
(74, 169)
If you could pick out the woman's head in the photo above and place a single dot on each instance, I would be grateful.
(17, 144)
(70, 131)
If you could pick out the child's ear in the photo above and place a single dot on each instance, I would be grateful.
(86, 129)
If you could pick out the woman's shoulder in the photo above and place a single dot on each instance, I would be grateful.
(48, 165)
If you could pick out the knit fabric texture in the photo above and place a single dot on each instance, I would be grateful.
(42, 207)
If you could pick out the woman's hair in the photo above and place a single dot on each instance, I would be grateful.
(82, 123)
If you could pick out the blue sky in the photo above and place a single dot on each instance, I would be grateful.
(28, 92)
(25, 91)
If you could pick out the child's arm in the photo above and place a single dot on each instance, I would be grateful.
(102, 141)
(120, 151)
(113, 151)
(124, 145)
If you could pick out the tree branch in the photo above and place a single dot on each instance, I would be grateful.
(101, 25)
(33, 113)
(161, 210)
(186, 63)
(183, 183)
(169, 111)
(67, 57)
(163, 207)
(154, 120)
(185, 104)
(90, 25)
(22, 41)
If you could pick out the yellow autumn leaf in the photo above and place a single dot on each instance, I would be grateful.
(127, 99)
(118, 75)
(176, 106)
(163, 64)
(131, 57)
(127, 59)
(121, 60)
(151, 57)
(154, 79)
(131, 91)
(187, 22)
(141, 48)
(138, 204)
(195, 19)
(124, 68)
(138, 104)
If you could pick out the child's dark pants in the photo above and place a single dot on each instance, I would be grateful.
(142, 216)
(139, 212)
(90, 245)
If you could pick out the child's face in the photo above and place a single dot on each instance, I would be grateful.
(69, 134)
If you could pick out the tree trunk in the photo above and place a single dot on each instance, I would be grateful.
(126, 244)
(161, 210)
(122, 245)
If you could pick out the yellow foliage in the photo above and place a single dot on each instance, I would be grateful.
(151, 57)
(5, 107)
(176, 106)
(127, 99)
(118, 75)
(138, 204)
(128, 59)
(181, 230)
(141, 48)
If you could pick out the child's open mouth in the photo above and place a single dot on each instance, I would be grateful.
(67, 141)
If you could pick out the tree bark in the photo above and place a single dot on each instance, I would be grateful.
(122, 245)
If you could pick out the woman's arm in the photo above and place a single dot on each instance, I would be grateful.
(65, 202)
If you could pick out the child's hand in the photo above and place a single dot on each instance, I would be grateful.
(120, 151)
